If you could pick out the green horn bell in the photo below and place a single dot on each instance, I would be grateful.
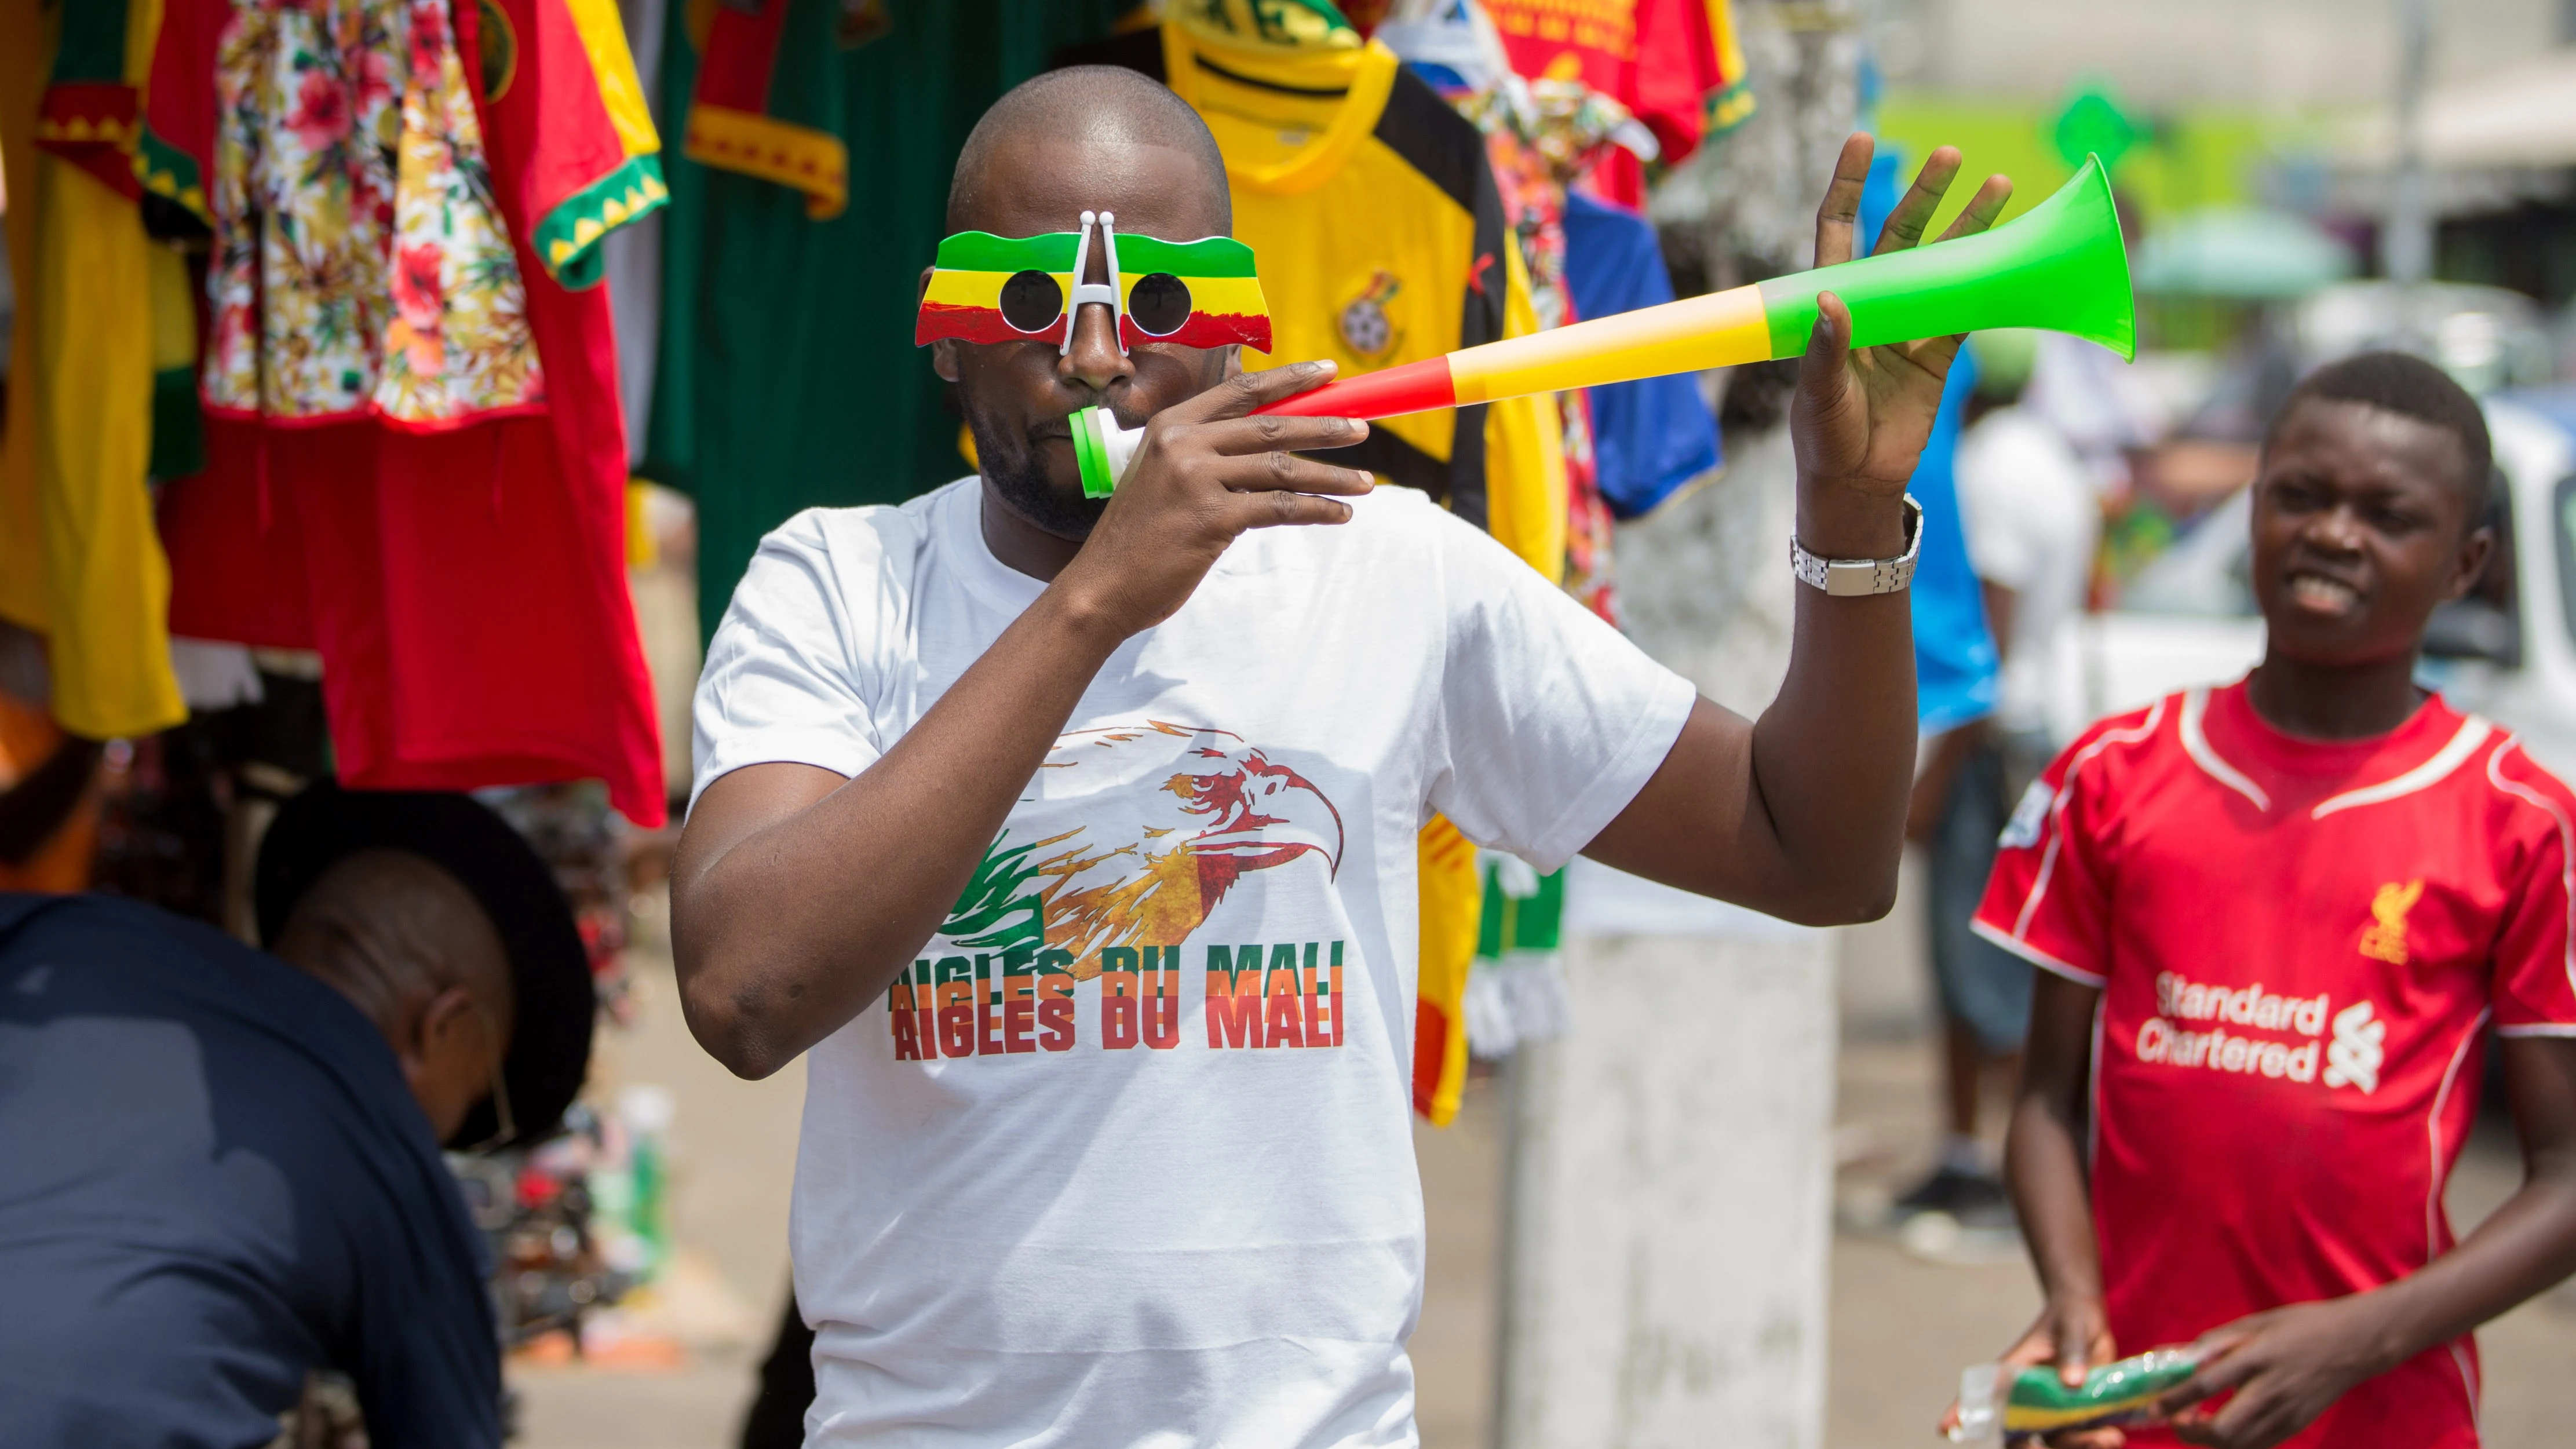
(2059, 265)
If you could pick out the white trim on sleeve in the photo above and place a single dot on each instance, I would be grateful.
(2038, 957)
(2566, 843)
(2145, 730)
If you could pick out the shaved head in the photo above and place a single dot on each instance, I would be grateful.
(1103, 108)
(385, 923)
(1086, 138)
(412, 948)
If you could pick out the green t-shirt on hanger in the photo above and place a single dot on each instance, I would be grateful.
(787, 378)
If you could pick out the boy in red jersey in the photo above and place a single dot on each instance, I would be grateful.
(2275, 922)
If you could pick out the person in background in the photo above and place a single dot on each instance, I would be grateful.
(2029, 514)
(2279, 925)
(1954, 658)
(224, 1215)
(2098, 404)
(2032, 516)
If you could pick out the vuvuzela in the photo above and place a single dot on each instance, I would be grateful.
(2060, 266)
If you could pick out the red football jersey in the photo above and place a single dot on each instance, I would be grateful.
(2300, 945)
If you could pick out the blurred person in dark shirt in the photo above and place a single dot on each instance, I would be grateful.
(224, 1201)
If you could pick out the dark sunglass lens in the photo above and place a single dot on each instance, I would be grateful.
(1031, 301)
(1160, 304)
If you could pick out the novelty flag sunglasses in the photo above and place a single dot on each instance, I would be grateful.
(987, 288)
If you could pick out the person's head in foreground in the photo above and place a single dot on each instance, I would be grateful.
(2369, 512)
(228, 1212)
(1086, 139)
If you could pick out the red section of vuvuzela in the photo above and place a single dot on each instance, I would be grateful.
(1416, 387)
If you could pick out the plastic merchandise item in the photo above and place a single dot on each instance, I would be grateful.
(1103, 449)
(986, 288)
(2060, 266)
(2038, 1402)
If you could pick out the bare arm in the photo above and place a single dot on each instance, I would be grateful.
(2000, 603)
(1801, 813)
(2044, 1167)
(2289, 1365)
(797, 895)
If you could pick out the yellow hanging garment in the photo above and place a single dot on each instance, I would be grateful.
(1382, 241)
(25, 43)
(86, 307)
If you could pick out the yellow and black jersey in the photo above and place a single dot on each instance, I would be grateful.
(1380, 237)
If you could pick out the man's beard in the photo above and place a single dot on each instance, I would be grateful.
(1018, 472)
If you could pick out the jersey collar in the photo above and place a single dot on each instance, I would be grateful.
(2241, 751)
(1231, 81)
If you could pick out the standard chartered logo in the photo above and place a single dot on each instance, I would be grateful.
(2190, 1029)
(2353, 1057)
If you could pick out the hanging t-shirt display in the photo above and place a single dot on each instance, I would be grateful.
(1659, 58)
(360, 266)
(787, 377)
(1651, 436)
(1382, 241)
(78, 559)
(464, 581)
(1534, 147)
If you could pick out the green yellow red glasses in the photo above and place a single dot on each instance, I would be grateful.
(987, 288)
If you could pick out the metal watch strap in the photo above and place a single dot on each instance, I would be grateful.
(1851, 577)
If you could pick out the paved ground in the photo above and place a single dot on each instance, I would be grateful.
(1901, 1327)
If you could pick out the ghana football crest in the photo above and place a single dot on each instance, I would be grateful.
(1364, 322)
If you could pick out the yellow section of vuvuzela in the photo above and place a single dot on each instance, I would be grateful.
(1718, 330)
(2060, 266)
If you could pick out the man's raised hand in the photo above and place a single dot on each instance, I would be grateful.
(1203, 474)
(1862, 415)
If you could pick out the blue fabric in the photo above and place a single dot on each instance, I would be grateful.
(1983, 986)
(1651, 436)
(1955, 663)
(1879, 194)
(212, 1180)
(1954, 653)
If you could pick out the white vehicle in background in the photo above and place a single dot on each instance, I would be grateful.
(2507, 651)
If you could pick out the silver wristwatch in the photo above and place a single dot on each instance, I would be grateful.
(1846, 577)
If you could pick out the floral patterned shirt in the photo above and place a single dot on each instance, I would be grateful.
(361, 266)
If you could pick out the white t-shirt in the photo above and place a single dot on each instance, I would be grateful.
(1045, 1194)
(2031, 517)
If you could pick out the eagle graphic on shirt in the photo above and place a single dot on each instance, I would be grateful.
(1170, 817)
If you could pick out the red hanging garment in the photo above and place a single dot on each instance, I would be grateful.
(465, 584)
(1659, 58)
